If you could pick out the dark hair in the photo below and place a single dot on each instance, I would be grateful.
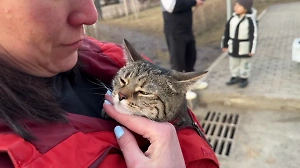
(24, 97)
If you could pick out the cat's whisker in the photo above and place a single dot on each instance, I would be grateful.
(97, 88)
(103, 84)
(99, 94)
(99, 84)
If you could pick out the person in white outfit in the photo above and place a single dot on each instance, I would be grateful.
(240, 40)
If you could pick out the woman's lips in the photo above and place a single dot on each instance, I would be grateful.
(76, 44)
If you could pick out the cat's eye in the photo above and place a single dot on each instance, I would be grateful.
(122, 81)
(142, 92)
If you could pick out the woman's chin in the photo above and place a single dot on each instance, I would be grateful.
(67, 64)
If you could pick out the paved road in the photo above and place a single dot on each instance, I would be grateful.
(262, 138)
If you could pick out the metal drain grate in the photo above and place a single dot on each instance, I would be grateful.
(220, 129)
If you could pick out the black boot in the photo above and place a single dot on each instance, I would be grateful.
(233, 80)
(243, 82)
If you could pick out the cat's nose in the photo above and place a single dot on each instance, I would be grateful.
(122, 96)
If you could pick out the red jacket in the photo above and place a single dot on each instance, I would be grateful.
(87, 142)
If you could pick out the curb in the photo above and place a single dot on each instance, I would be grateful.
(249, 101)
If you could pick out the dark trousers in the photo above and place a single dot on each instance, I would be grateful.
(182, 50)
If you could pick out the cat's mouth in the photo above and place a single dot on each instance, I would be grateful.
(121, 106)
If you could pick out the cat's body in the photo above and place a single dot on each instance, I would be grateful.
(144, 89)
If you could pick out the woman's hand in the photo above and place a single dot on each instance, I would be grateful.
(164, 150)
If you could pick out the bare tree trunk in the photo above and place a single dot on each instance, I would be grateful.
(98, 7)
(125, 7)
(138, 5)
(135, 8)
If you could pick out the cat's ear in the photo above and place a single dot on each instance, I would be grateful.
(189, 78)
(130, 53)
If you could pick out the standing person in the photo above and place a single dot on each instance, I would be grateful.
(240, 40)
(178, 23)
(51, 110)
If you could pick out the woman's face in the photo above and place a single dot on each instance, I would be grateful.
(239, 9)
(42, 36)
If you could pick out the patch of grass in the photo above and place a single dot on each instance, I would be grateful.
(149, 21)
(211, 37)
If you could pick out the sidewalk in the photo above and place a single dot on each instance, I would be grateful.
(275, 79)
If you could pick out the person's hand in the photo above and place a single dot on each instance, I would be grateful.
(250, 54)
(164, 150)
(225, 49)
(199, 3)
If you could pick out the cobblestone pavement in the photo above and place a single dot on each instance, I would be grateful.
(275, 79)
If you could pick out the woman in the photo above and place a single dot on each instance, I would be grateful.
(50, 115)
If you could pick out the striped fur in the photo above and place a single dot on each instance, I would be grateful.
(144, 89)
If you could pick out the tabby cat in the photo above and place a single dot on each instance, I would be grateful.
(144, 89)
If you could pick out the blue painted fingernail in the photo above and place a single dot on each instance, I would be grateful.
(109, 92)
(107, 102)
(118, 132)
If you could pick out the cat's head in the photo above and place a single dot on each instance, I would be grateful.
(144, 89)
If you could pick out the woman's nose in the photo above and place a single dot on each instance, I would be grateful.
(83, 12)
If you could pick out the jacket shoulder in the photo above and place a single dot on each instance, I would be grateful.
(112, 50)
(101, 60)
(196, 150)
(91, 139)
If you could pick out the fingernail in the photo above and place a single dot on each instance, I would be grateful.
(109, 92)
(107, 102)
(118, 132)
